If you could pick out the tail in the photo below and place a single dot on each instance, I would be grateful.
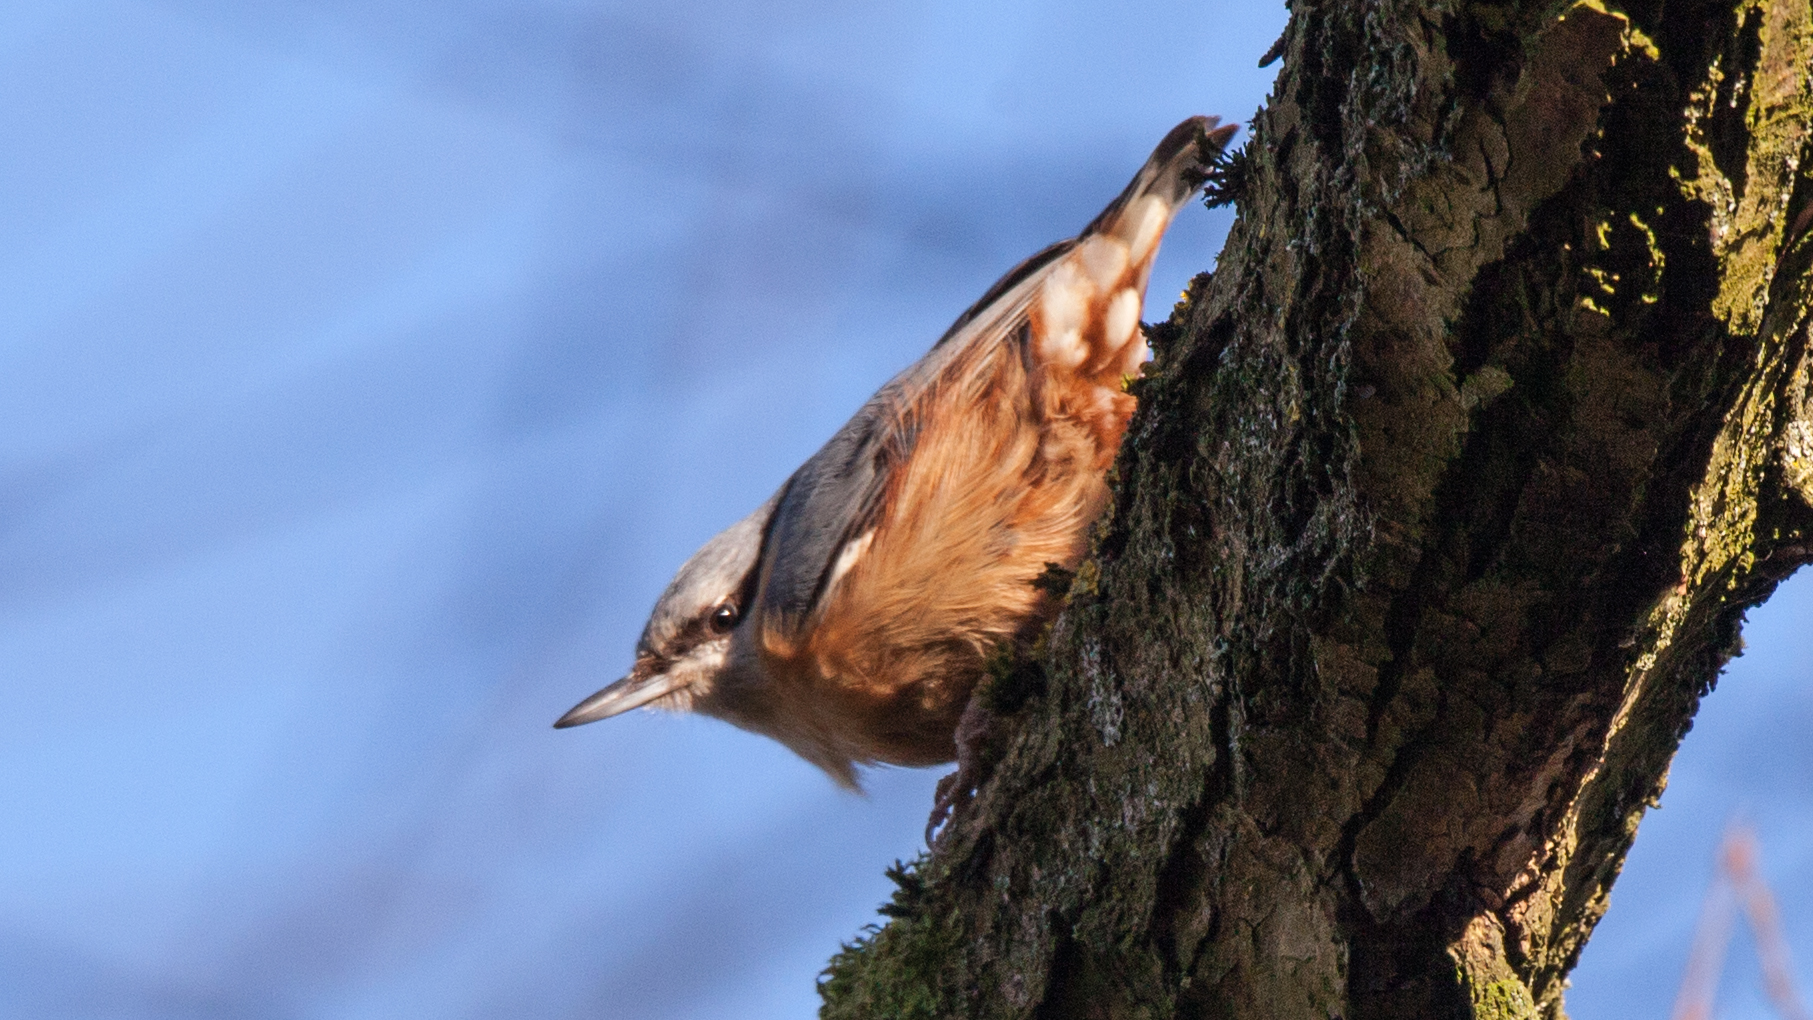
(1177, 167)
(1085, 317)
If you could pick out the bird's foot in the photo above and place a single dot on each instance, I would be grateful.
(975, 730)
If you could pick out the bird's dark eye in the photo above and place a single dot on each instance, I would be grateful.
(724, 617)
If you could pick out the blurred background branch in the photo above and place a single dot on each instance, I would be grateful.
(1738, 882)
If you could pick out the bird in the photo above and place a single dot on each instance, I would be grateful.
(852, 615)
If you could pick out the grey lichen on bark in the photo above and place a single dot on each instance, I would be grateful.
(1446, 496)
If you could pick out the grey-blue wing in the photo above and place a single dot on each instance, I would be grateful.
(832, 499)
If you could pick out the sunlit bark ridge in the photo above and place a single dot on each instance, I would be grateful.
(1441, 510)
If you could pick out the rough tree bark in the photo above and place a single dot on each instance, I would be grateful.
(1446, 497)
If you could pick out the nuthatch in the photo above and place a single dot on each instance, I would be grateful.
(851, 615)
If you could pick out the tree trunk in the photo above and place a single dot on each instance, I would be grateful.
(1445, 499)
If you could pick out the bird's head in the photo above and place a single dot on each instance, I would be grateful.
(686, 651)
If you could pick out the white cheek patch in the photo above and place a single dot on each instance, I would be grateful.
(1123, 318)
(847, 557)
(697, 670)
(677, 700)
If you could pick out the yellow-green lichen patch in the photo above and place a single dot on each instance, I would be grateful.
(1493, 989)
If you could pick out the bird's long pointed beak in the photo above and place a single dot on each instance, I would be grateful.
(633, 691)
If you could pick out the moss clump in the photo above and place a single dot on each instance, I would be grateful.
(901, 972)
(1227, 180)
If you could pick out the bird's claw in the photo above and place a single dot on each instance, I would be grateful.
(957, 790)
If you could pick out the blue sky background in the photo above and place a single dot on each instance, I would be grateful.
(365, 370)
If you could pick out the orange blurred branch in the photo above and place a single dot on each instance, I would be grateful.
(1737, 883)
